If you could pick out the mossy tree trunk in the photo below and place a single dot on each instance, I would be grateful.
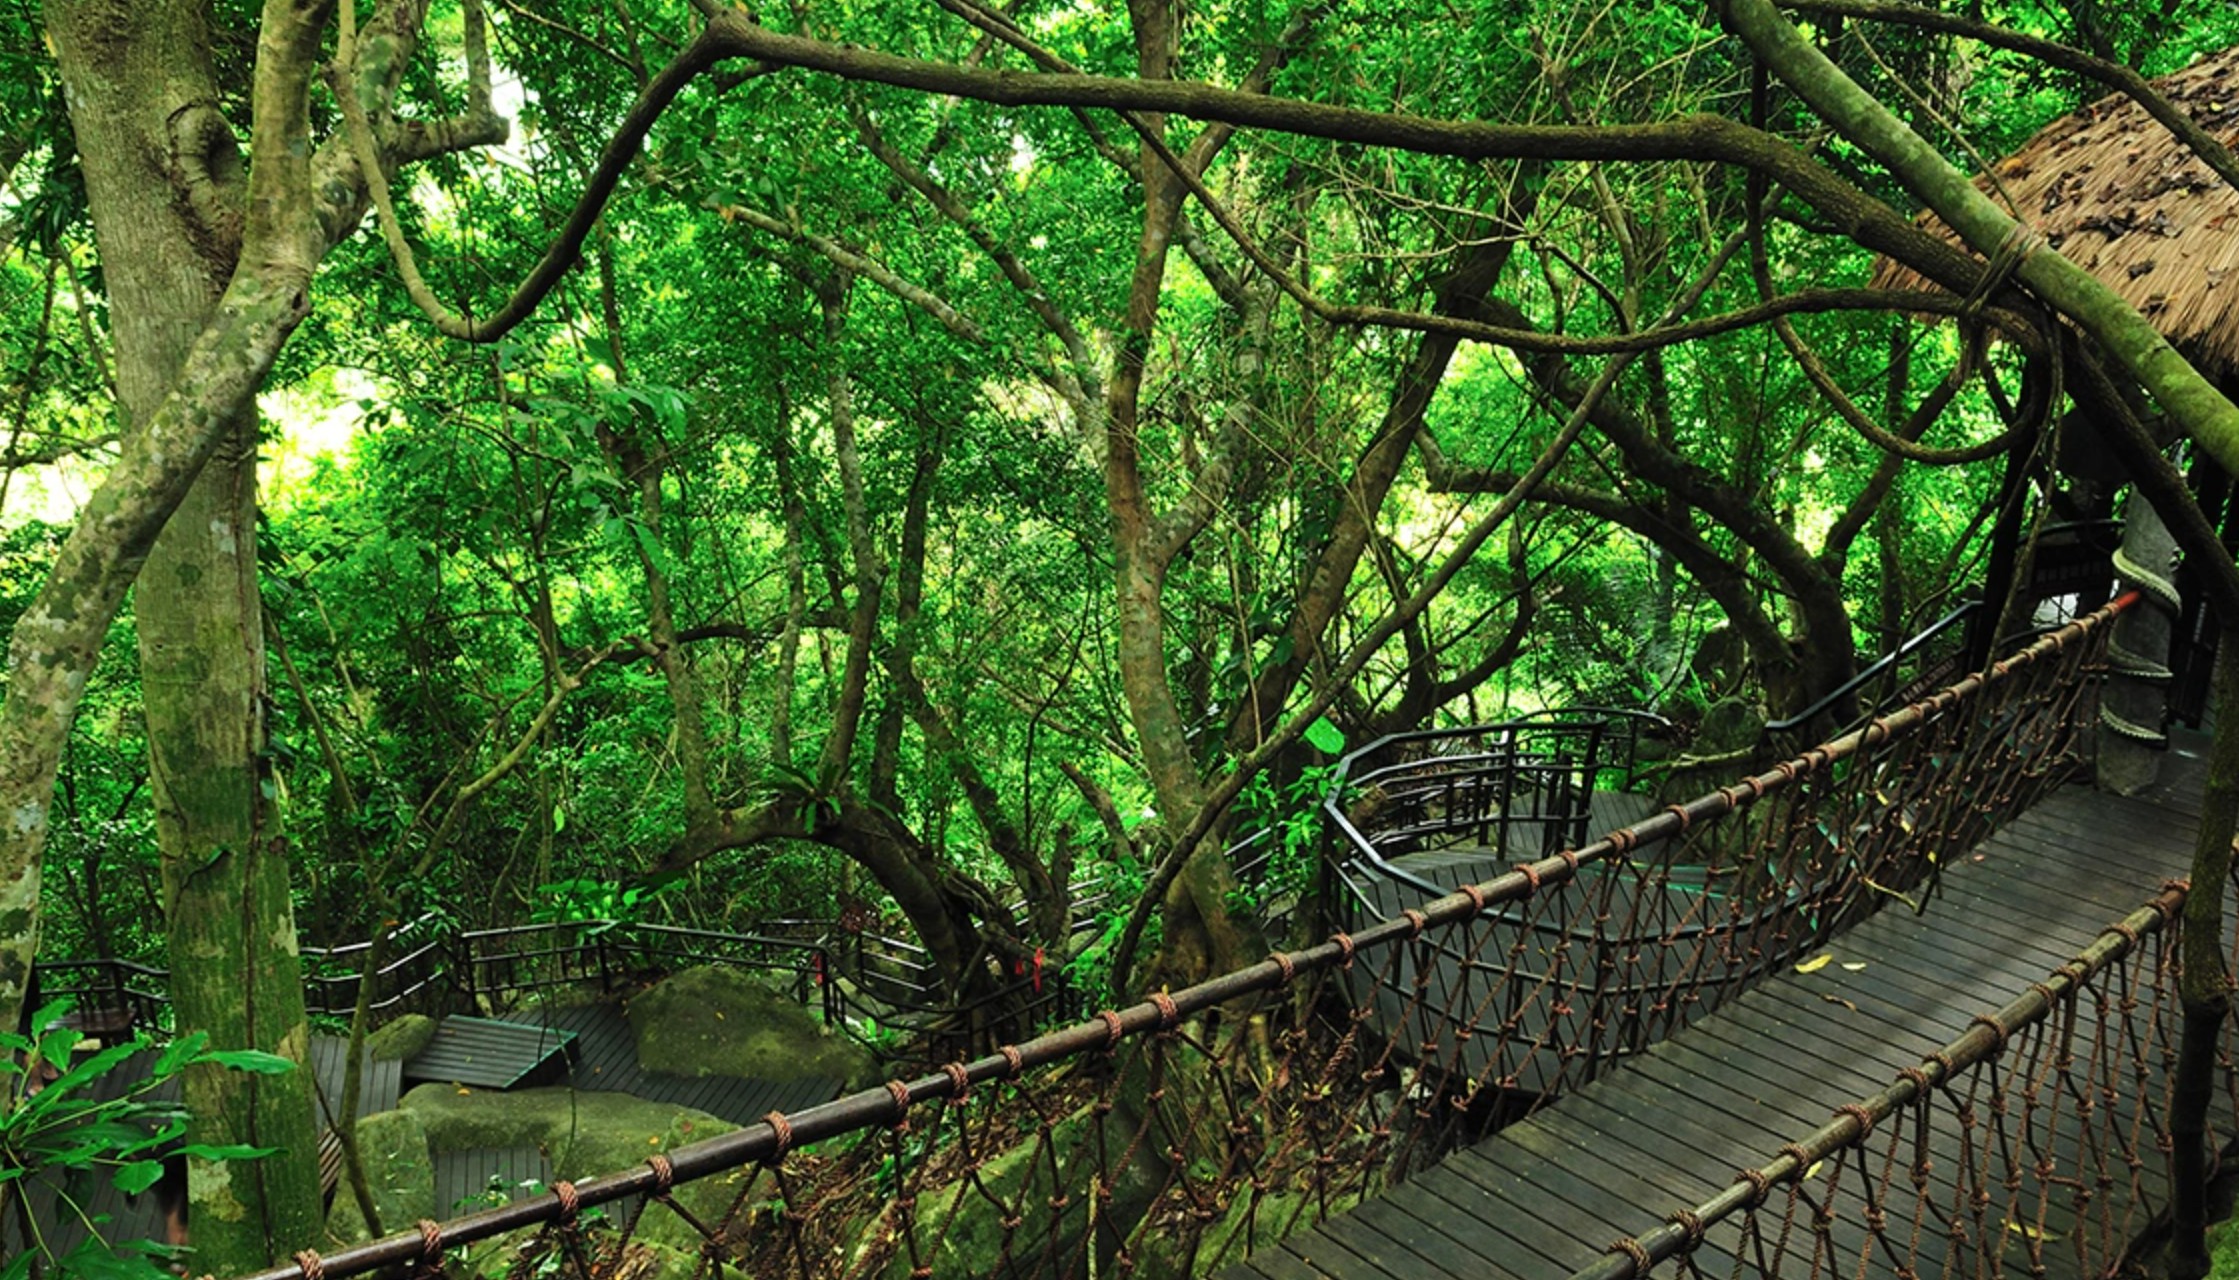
(165, 182)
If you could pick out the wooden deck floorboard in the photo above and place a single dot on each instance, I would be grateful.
(1548, 1194)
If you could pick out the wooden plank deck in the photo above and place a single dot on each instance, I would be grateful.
(491, 1054)
(1546, 1196)
(485, 1177)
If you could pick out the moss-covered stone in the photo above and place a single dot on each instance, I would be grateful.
(2223, 1250)
(400, 1174)
(400, 1040)
(582, 1133)
(960, 1227)
(1249, 1224)
(717, 1021)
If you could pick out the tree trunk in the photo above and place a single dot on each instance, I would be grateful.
(2203, 987)
(163, 180)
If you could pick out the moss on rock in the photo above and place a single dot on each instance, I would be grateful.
(582, 1133)
(400, 1040)
(968, 1216)
(394, 1148)
(716, 1021)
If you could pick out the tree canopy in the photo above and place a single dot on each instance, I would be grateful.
(506, 460)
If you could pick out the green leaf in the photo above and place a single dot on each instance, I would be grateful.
(253, 1061)
(1326, 738)
(134, 1178)
(236, 1151)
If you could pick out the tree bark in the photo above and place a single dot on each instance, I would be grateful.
(163, 178)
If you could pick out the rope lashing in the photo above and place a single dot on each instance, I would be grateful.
(1288, 966)
(1998, 1030)
(431, 1245)
(2157, 587)
(1013, 1059)
(1858, 1112)
(782, 1128)
(1631, 1249)
(570, 1202)
(311, 1264)
(1345, 947)
(2020, 242)
(2130, 728)
(1169, 1014)
(959, 1083)
(2134, 666)
(664, 1174)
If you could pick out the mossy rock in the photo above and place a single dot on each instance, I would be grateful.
(714, 1021)
(1731, 724)
(2223, 1250)
(394, 1148)
(970, 1233)
(1224, 1241)
(582, 1133)
(401, 1039)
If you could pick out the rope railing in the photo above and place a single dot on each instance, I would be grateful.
(1179, 1134)
(1683, 911)
(2042, 1129)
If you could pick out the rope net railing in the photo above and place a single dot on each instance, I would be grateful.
(1178, 1135)
(1663, 921)
(2036, 1142)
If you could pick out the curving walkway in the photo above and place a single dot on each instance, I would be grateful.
(1545, 1197)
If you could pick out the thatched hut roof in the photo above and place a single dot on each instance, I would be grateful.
(2117, 193)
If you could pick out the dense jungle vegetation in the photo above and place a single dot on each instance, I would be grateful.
(731, 465)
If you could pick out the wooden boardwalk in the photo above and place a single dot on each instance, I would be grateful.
(1546, 1196)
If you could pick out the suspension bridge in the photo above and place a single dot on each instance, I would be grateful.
(1902, 1004)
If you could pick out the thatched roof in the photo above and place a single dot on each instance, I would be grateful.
(2118, 194)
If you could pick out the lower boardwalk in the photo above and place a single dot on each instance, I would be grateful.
(1546, 1196)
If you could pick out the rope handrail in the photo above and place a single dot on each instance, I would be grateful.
(1164, 1013)
(1985, 1037)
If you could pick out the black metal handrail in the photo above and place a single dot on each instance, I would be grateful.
(1875, 670)
(1529, 749)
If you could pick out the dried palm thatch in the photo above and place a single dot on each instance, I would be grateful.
(2120, 196)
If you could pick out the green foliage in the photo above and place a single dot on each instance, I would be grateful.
(65, 1117)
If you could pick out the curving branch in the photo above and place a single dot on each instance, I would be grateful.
(2114, 75)
(567, 247)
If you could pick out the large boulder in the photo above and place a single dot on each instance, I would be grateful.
(582, 1133)
(400, 1173)
(714, 1021)
(401, 1038)
(965, 1226)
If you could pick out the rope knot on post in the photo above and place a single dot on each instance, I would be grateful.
(781, 1129)
(1344, 944)
(1169, 1014)
(310, 1264)
(431, 1247)
(1631, 1249)
(1998, 1031)
(1864, 1118)
(1688, 1221)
